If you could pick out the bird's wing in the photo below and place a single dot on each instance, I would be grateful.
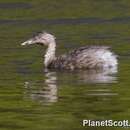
(85, 49)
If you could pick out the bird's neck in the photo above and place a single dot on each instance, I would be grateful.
(50, 54)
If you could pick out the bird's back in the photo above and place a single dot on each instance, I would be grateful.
(87, 57)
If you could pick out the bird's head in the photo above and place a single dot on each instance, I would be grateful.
(42, 38)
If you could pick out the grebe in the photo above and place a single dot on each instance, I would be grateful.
(88, 57)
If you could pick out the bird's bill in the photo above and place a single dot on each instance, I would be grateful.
(28, 42)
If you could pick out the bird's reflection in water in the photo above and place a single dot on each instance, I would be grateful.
(48, 92)
(98, 76)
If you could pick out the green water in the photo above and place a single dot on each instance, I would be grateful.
(33, 99)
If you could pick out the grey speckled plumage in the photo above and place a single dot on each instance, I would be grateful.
(88, 57)
(83, 57)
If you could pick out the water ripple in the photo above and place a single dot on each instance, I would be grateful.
(121, 20)
(15, 5)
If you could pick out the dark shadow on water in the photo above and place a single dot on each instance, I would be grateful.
(15, 5)
(116, 20)
(103, 36)
(48, 92)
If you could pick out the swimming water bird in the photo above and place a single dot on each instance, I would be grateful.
(87, 57)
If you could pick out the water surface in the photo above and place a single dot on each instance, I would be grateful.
(32, 98)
